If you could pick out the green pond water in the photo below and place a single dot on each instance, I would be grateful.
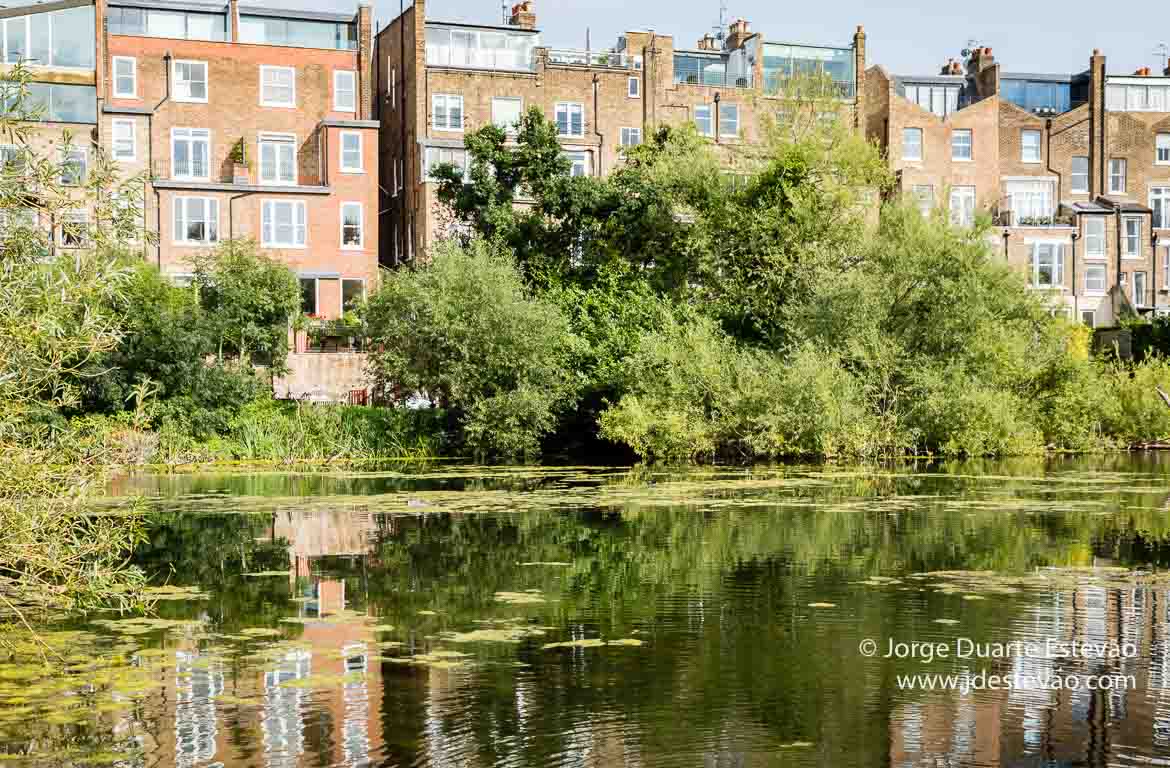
(449, 615)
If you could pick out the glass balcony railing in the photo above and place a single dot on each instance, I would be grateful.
(573, 57)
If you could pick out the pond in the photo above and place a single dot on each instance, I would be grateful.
(971, 614)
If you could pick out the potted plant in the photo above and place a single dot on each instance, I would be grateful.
(241, 167)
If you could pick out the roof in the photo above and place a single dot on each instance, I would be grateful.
(1122, 205)
(29, 8)
(1086, 207)
(1050, 78)
(500, 27)
(212, 6)
(932, 79)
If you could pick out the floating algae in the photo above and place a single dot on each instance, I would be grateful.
(532, 597)
(822, 605)
(593, 643)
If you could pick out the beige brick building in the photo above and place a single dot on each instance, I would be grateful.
(1066, 164)
(438, 81)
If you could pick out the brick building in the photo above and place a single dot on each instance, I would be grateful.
(438, 80)
(1066, 164)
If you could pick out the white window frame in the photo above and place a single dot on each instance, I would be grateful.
(959, 215)
(73, 152)
(1118, 162)
(133, 139)
(923, 195)
(569, 107)
(361, 225)
(1058, 247)
(1139, 297)
(710, 120)
(1025, 157)
(1028, 197)
(907, 132)
(433, 156)
(1127, 240)
(627, 133)
(970, 145)
(345, 280)
(1166, 268)
(179, 208)
(1160, 203)
(1091, 314)
(634, 87)
(338, 75)
(188, 98)
(115, 61)
(1095, 222)
(1073, 188)
(360, 168)
(723, 134)
(1095, 268)
(510, 129)
(268, 240)
(292, 73)
(447, 99)
(192, 140)
(277, 140)
(575, 155)
(1162, 149)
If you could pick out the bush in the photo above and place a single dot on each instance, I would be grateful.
(462, 332)
(1135, 412)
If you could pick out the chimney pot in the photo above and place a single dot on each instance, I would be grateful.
(1096, 51)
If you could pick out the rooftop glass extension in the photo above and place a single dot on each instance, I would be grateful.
(1044, 95)
(153, 22)
(696, 68)
(58, 103)
(939, 95)
(783, 61)
(299, 33)
(62, 38)
(1137, 94)
(487, 48)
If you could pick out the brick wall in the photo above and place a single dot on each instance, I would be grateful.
(322, 376)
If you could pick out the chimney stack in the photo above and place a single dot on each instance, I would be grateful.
(1166, 71)
(523, 16)
(738, 32)
(707, 43)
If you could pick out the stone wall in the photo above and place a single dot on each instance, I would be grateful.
(323, 376)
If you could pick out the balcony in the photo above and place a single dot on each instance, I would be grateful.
(1004, 217)
(576, 57)
(321, 335)
(479, 48)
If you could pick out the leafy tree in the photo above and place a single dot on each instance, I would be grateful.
(463, 332)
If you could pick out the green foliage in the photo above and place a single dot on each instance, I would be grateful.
(1135, 412)
(463, 333)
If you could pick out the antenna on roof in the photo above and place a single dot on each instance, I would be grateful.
(720, 28)
(972, 46)
(504, 10)
(1161, 52)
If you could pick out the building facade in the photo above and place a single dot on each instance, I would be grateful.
(1067, 165)
(440, 80)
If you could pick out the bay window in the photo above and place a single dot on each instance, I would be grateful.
(196, 220)
(282, 224)
(1030, 201)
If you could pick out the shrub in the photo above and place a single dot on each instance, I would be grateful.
(1135, 412)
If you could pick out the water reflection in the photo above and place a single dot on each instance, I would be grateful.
(398, 620)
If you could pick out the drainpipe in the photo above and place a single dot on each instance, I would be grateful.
(1118, 276)
(150, 158)
(1006, 235)
(1048, 152)
(1153, 267)
(596, 125)
(1076, 308)
(715, 118)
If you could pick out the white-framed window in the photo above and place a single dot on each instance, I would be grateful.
(1089, 318)
(963, 206)
(1094, 237)
(1166, 268)
(1079, 179)
(74, 229)
(353, 292)
(1131, 236)
(506, 111)
(1029, 146)
(278, 158)
(309, 296)
(1162, 149)
(345, 90)
(1117, 176)
(125, 77)
(440, 156)
(728, 120)
(631, 137)
(703, 120)
(351, 152)
(1160, 204)
(962, 144)
(191, 153)
(634, 87)
(352, 231)
(446, 112)
(123, 139)
(1139, 289)
(196, 220)
(1094, 278)
(1030, 201)
(912, 144)
(924, 196)
(579, 163)
(189, 81)
(1046, 265)
(283, 224)
(278, 86)
(74, 165)
(570, 118)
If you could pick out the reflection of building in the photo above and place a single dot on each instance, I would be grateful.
(1059, 727)
(196, 682)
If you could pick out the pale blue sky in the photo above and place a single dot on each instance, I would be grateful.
(905, 37)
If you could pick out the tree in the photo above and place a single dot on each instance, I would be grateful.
(463, 332)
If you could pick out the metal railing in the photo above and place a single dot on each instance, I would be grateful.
(575, 57)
